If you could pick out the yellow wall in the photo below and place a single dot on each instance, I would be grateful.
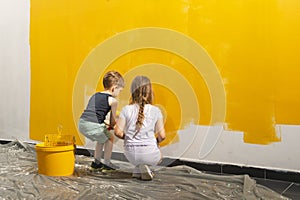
(239, 64)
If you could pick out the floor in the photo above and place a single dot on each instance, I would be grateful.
(286, 184)
(179, 180)
(287, 189)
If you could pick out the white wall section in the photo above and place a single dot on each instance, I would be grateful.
(14, 69)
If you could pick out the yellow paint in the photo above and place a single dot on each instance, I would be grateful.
(170, 107)
(253, 43)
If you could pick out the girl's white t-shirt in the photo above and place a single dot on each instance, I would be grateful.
(146, 134)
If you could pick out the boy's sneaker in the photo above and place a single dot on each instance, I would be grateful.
(94, 165)
(109, 166)
(146, 173)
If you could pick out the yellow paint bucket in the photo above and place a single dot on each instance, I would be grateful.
(55, 160)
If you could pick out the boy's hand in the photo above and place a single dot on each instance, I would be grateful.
(109, 127)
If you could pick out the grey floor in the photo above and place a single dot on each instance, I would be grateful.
(288, 189)
(285, 188)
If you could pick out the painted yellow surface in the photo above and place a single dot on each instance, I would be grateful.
(252, 43)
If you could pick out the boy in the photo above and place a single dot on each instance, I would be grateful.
(91, 122)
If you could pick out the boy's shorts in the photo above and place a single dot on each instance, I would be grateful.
(94, 131)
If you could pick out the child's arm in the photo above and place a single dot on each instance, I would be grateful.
(119, 128)
(160, 130)
(113, 116)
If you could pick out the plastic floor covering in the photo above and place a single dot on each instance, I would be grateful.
(19, 179)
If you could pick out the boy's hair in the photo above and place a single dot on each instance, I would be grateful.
(112, 78)
(141, 93)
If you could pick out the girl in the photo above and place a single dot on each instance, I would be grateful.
(137, 125)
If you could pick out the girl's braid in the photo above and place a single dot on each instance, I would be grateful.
(141, 94)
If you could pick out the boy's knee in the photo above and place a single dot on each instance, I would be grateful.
(111, 138)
